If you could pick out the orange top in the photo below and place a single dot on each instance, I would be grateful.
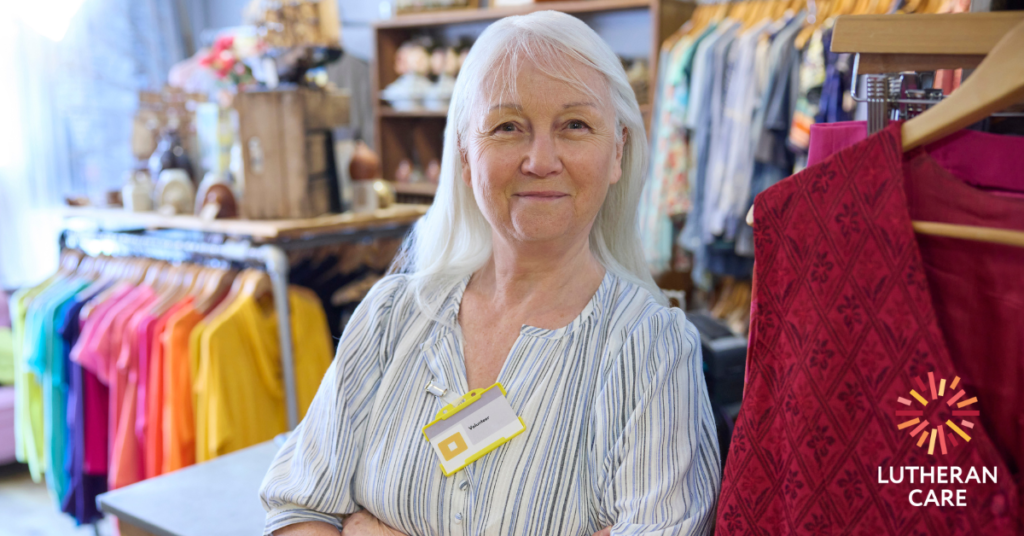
(155, 397)
(179, 434)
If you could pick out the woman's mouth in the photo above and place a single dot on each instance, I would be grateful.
(542, 195)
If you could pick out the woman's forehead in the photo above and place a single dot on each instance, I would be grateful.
(566, 81)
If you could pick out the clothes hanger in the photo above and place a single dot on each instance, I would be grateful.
(177, 290)
(687, 26)
(997, 83)
(823, 10)
(257, 285)
(219, 288)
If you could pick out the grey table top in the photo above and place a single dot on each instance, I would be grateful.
(216, 497)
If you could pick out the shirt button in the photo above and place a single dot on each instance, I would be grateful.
(464, 485)
(458, 519)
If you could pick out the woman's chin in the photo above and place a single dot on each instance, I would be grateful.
(533, 230)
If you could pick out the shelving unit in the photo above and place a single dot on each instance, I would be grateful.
(401, 134)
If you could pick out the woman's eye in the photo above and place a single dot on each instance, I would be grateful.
(576, 125)
(506, 127)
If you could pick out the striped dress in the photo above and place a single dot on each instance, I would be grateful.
(619, 430)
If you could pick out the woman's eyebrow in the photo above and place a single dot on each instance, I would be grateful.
(506, 105)
(578, 104)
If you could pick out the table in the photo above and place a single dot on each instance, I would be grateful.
(216, 497)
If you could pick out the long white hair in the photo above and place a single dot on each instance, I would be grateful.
(453, 239)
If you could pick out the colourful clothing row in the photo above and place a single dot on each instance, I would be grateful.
(111, 390)
(733, 109)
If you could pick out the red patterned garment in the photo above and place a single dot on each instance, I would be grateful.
(843, 325)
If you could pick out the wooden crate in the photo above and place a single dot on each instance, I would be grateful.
(283, 135)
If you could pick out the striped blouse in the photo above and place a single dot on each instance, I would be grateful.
(619, 429)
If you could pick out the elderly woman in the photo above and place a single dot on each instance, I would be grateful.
(526, 272)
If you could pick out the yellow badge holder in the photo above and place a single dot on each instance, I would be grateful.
(453, 437)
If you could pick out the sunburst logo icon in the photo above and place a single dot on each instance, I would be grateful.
(933, 429)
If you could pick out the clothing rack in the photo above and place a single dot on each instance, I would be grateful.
(271, 257)
(885, 44)
(264, 243)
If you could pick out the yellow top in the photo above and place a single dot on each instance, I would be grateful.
(239, 391)
(28, 393)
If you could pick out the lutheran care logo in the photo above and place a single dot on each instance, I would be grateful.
(934, 424)
(938, 431)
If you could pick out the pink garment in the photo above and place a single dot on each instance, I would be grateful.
(5, 312)
(828, 139)
(95, 329)
(957, 153)
(111, 352)
(125, 458)
(145, 343)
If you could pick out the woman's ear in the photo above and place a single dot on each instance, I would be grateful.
(467, 174)
(620, 147)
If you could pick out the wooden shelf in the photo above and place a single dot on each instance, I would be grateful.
(260, 230)
(921, 42)
(460, 16)
(387, 111)
(415, 188)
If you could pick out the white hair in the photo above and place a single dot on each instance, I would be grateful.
(453, 239)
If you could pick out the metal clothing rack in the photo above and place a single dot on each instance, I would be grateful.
(271, 257)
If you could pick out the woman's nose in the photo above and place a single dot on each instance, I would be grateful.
(543, 159)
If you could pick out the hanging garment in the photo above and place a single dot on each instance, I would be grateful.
(240, 394)
(126, 452)
(667, 190)
(655, 225)
(835, 105)
(153, 429)
(6, 356)
(87, 403)
(6, 342)
(699, 120)
(44, 360)
(729, 177)
(828, 139)
(179, 441)
(28, 407)
(849, 308)
(812, 74)
(773, 161)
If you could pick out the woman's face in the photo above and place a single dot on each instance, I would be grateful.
(540, 162)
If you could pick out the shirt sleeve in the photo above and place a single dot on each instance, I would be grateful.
(310, 479)
(662, 465)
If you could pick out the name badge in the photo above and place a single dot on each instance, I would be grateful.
(476, 424)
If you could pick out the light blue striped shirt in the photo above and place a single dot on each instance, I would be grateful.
(619, 430)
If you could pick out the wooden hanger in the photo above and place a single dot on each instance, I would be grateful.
(184, 277)
(683, 30)
(218, 283)
(997, 83)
